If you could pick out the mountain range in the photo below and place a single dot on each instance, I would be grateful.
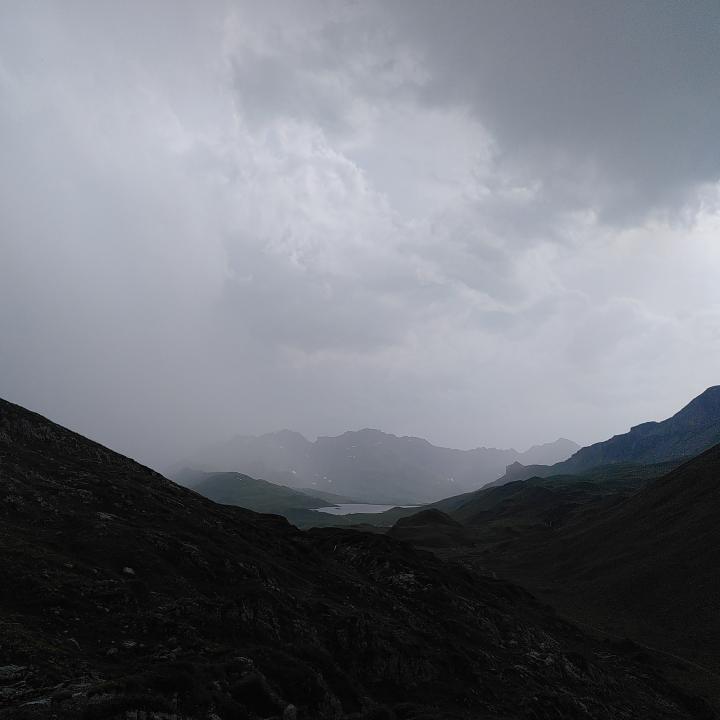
(122, 592)
(692, 430)
(124, 595)
(625, 549)
(627, 554)
(368, 465)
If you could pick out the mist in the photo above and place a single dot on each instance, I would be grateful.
(482, 224)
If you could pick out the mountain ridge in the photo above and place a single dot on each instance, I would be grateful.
(690, 431)
(123, 594)
(368, 464)
(644, 564)
(258, 495)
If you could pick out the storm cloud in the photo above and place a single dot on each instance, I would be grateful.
(481, 223)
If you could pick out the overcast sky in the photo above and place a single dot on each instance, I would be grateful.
(483, 223)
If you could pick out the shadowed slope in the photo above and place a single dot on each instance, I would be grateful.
(689, 432)
(643, 566)
(654, 559)
(685, 435)
(120, 591)
(430, 528)
(231, 488)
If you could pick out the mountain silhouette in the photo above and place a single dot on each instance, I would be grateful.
(125, 595)
(369, 465)
(686, 434)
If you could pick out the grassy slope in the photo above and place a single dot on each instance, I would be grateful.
(230, 488)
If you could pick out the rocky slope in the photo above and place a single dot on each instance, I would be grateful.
(124, 595)
(689, 432)
(618, 552)
(651, 562)
(686, 434)
(231, 488)
(430, 528)
(552, 500)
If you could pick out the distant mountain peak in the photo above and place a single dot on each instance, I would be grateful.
(372, 433)
(286, 434)
(369, 464)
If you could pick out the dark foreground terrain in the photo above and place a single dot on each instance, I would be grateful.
(645, 565)
(124, 595)
(617, 551)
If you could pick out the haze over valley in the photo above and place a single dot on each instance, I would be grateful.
(369, 465)
(488, 225)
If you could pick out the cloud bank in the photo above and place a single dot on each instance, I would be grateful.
(484, 223)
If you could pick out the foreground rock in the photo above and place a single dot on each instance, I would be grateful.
(430, 528)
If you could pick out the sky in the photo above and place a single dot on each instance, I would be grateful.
(483, 223)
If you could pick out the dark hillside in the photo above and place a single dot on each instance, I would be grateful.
(122, 593)
(231, 488)
(554, 500)
(430, 528)
(655, 559)
(642, 564)
(685, 435)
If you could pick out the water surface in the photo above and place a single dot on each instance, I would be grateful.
(347, 508)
